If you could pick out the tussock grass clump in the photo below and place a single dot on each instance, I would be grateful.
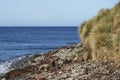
(101, 35)
(101, 14)
(116, 9)
(117, 21)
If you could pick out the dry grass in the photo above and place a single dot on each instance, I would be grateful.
(101, 35)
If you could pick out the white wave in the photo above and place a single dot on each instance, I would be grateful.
(6, 66)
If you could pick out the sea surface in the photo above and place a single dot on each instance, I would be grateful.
(22, 41)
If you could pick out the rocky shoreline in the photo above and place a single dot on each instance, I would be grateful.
(66, 63)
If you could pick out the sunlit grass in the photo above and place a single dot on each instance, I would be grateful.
(101, 35)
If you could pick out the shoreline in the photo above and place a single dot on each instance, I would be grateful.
(7, 66)
(68, 63)
(22, 62)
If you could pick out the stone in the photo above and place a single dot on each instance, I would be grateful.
(3, 79)
(73, 71)
(75, 74)
(49, 77)
(70, 79)
(75, 79)
(64, 76)
(104, 78)
(60, 72)
(39, 58)
(84, 77)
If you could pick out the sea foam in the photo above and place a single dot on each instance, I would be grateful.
(6, 66)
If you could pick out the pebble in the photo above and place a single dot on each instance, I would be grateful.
(64, 76)
(104, 78)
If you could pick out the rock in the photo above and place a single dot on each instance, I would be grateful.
(44, 67)
(104, 78)
(49, 77)
(64, 76)
(118, 66)
(3, 79)
(70, 79)
(60, 72)
(84, 77)
(41, 79)
(75, 74)
(73, 71)
(37, 59)
(76, 58)
(83, 70)
(75, 79)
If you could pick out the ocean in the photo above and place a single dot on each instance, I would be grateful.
(22, 41)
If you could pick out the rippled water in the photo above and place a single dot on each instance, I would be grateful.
(20, 41)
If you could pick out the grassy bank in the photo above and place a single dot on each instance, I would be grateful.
(101, 35)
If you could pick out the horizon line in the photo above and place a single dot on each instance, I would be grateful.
(39, 26)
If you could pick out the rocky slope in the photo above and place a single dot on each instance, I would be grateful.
(66, 63)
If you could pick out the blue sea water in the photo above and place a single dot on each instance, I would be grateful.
(21, 41)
